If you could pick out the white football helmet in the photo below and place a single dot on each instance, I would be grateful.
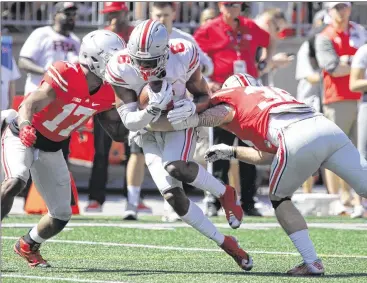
(240, 79)
(148, 49)
(97, 48)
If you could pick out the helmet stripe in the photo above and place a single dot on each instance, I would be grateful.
(145, 36)
(244, 81)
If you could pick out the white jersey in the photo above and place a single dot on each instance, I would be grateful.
(182, 62)
(9, 73)
(45, 46)
(205, 60)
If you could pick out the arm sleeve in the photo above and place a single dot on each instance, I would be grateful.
(303, 67)
(325, 54)
(134, 120)
(360, 58)
(32, 46)
(57, 77)
(15, 74)
(261, 36)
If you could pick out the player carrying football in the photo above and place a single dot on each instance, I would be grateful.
(67, 97)
(151, 56)
(290, 136)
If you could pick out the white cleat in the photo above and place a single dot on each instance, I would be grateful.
(131, 212)
(315, 268)
(358, 212)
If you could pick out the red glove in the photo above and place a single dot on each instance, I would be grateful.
(27, 135)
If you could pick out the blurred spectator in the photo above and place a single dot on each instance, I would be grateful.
(274, 22)
(231, 41)
(9, 73)
(207, 15)
(117, 20)
(308, 74)
(335, 47)
(165, 13)
(49, 44)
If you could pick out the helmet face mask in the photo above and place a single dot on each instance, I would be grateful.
(97, 48)
(148, 49)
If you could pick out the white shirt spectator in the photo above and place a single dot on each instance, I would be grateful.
(45, 46)
(9, 73)
(307, 92)
(205, 61)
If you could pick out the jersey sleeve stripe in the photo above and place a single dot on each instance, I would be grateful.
(194, 59)
(114, 78)
(59, 76)
(56, 80)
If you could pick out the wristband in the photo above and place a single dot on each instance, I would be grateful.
(24, 122)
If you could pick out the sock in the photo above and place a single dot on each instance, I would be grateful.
(133, 195)
(207, 182)
(196, 218)
(32, 237)
(301, 240)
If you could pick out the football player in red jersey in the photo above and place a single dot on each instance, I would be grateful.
(67, 97)
(290, 136)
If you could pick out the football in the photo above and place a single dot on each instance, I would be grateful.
(143, 98)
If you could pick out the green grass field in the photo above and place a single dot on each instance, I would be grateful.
(105, 249)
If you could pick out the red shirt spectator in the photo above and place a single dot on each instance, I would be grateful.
(117, 13)
(226, 44)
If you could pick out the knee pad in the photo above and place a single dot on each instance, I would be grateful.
(276, 203)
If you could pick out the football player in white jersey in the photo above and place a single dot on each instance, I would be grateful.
(150, 56)
(49, 44)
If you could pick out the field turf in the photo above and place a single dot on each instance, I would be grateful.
(106, 249)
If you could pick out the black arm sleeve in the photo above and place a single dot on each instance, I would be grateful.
(111, 122)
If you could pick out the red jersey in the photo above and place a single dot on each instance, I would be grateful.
(73, 105)
(344, 43)
(253, 106)
(225, 45)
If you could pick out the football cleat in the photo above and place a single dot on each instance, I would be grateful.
(30, 254)
(231, 247)
(131, 212)
(232, 207)
(93, 206)
(142, 207)
(315, 268)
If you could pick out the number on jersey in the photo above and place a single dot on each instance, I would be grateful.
(85, 112)
(274, 96)
(177, 48)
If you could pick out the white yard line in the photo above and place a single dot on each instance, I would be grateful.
(109, 244)
(170, 226)
(57, 279)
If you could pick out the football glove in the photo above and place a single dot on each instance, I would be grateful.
(219, 151)
(27, 134)
(182, 110)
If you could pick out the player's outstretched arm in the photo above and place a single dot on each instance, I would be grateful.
(29, 66)
(244, 154)
(35, 102)
(111, 122)
(212, 117)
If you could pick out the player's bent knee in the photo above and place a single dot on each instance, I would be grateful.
(12, 187)
(179, 170)
(177, 198)
(62, 213)
(277, 201)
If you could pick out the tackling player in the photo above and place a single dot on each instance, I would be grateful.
(67, 97)
(290, 136)
(151, 56)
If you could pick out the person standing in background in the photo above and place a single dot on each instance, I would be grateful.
(308, 75)
(231, 42)
(9, 73)
(335, 47)
(117, 22)
(358, 82)
(49, 44)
